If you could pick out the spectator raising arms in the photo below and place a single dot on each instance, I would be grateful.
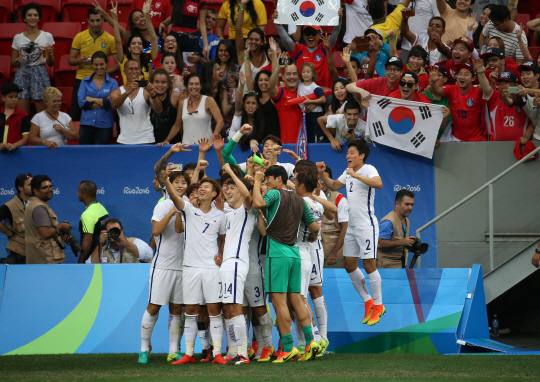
(170, 46)
(424, 10)
(254, 16)
(430, 41)
(52, 127)
(456, 19)
(159, 11)
(133, 105)
(97, 117)
(30, 51)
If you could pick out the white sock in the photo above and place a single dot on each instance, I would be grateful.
(203, 336)
(299, 331)
(147, 327)
(359, 282)
(231, 338)
(322, 316)
(216, 331)
(241, 337)
(190, 331)
(375, 282)
(174, 333)
(182, 326)
(247, 319)
(314, 329)
(266, 330)
(257, 331)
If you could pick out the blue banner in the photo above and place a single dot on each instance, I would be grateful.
(124, 174)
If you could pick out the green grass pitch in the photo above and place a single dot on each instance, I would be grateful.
(331, 367)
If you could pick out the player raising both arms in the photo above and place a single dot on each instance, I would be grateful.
(203, 226)
(362, 234)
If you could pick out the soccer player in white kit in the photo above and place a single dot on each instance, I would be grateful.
(362, 235)
(166, 271)
(203, 226)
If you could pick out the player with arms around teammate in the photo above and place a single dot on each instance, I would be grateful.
(284, 211)
(201, 281)
(166, 270)
(362, 235)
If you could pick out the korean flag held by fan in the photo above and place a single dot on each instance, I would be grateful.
(308, 12)
(405, 125)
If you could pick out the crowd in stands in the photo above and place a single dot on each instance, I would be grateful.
(159, 72)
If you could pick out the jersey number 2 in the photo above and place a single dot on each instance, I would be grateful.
(350, 188)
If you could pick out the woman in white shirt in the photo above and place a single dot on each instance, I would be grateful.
(52, 127)
(30, 51)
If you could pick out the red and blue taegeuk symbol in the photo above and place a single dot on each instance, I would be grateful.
(401, 120)
(307, 9)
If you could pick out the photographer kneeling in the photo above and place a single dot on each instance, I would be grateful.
(43, 235)
(119, 249)
(394, 241)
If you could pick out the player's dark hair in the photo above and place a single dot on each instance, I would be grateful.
(180, 174)
(192, 187)
(308, 179)
(30, 6)
(440, 19)
(276, 171)
(229, 181)
(304, 165)
(272, 138)
(328, 170)
(20, 179)
(351, 105)
(89, 188)
(362, 147)
(402, 193)
(191, 167)
(224, 175)
(499, 13)
(35, 184)
(376, 9)
(418, 51)
(215, 185)
(112, 221)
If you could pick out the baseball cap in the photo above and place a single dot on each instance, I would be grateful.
(508, 77)
(493, 52)
(467, 41)
(410, 74)
(10, 87)
(469, 67)
(394, 61)
(521, 151)
(316, 27)
(440, 68)
(529, 65)
(373, 30)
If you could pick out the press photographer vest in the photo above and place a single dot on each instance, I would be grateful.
(330, 228)
(395, 253)
(16, 243)
(125, 255)
(39, 250)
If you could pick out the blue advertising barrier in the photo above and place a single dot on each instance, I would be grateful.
(124, 174)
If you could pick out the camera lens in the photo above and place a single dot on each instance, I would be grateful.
(114, 233)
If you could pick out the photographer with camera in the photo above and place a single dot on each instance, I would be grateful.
(43, 234)
(119, 249)
(91, 223)
(394, 241)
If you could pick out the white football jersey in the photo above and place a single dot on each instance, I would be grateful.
(361, 197)
(317, 211)
(170, 244)
(240, 224)
(201, 233)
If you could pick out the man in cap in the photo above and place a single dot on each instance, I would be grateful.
(507, 123)
(466, 104)
(14, 122)
(495, 62)
(408, 89)
(527, 97)
(382, 86)
(461, 54)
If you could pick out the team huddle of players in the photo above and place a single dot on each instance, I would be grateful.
(212, 247)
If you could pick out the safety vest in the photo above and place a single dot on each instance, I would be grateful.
(330, 229)
(395, 253)
(125, 255)
(16, 243)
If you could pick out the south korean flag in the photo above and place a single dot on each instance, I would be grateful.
(308, 12)
(405, 125)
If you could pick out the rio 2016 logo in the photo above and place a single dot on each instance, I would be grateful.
(8, 191)
(101, 191)
(397, 187)
(136, 190)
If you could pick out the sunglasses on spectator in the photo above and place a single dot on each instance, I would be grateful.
(310, 32)
(408, 84)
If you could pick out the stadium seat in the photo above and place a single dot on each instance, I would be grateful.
(270, 29)
(338, 60)
(215, 4)
(269, 6)
(49, 8)
(63, 34)
(7, 32)
(523, 19)
(124, 7)
(110, 30)
(117, 76)
(534, 52)
(76, 10)
(66, 99)
(64, 76)
(6, 8)
(5, 69)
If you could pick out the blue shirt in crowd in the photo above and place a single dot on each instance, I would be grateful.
(102, 117)
(382, 57)
(213, 42)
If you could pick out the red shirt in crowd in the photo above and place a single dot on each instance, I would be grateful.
(377, 86)
(507, 123)
(190, 16)
(160, 10)
(301, 54)
(423, 79)
(16, 125)
(418, 97)
(290, 117)
(450, 67)
(467, 113)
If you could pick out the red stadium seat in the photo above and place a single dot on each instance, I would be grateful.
(5, 69)
(523, 19)
(338, 60)
(49, 8)
(66, 99)
(76, 10)
(6, 8)
(270, 29)
(7, 32)
(64, 76)
(63, 34)
(110, 30)
(124, 8)
(117, 76)
(534, 52)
